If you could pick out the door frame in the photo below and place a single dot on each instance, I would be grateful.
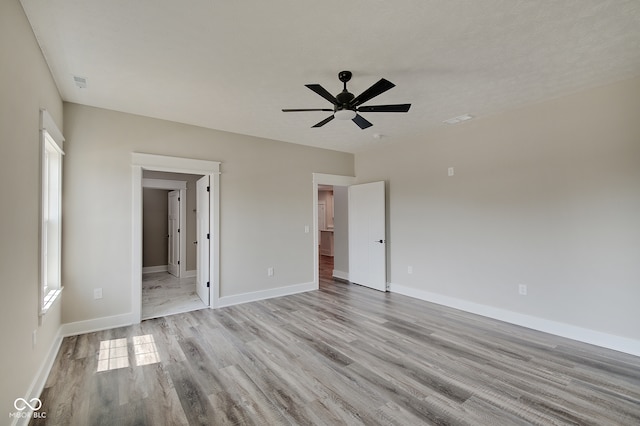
(174, 185)
(161, 163)
(323, 179)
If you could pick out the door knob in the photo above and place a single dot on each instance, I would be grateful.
(379, 241)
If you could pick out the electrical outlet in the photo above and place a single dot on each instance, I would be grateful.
(97, 293)
(450, 171)
(306, 229)
(409, 269)
(270, 271)
(522, 289)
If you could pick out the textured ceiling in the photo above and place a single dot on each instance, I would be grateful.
(233, 65)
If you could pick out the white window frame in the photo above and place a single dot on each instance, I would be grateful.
(51, 153)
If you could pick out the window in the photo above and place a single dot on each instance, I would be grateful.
(51, 214)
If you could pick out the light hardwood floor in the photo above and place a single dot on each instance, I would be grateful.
(325, 267)
(163, 294)
(341, 355)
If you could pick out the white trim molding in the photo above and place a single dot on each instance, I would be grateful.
(172, 185)
(49, 125)
(605, 340)
(96, 324)
(164, 163)
(341, 275)
(152, 269)
(254, 296)
(37, 385)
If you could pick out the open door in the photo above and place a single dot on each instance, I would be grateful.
(173, 252)
(203, 234)
(367, 235)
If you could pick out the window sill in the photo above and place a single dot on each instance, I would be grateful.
(50, 299)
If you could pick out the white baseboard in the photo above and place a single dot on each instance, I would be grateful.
(37, 386)
(605, 340)
(265, 294)
(152, 269)
(96, 324)
(190, 274)
(341, 275)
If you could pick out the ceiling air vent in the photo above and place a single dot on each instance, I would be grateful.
(81, 82)
(458, 119)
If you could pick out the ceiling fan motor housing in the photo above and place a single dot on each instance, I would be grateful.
(344, 98)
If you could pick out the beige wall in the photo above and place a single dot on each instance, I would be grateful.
(25, 86)
(155, 212)
(266, 195)
(547, 195)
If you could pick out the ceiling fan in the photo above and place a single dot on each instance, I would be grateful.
(346, 106)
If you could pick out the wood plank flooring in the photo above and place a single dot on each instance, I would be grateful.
(342, 355)
(163, 294)
(325, 268)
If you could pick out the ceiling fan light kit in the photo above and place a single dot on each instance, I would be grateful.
(346, 106)
(345, 114)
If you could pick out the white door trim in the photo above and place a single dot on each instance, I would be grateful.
(172, 185)
(140, 162)
(323, 179)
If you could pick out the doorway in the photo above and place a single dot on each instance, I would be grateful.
(144, 163)
(331, 237)
(169, 264)
(365, 231)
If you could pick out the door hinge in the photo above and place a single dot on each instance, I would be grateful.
(178, 229)
(178, 198)
(208, 189)
(208, 284)
(208, 236)
(178, 262)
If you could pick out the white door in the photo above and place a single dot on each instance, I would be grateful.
(367, 236)
(173, 258)
(204, 237)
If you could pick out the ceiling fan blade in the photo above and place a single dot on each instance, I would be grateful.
(361, 122)
(323, 122)
(385, 108)
(323, 92)
(304, 110)
(380, 87)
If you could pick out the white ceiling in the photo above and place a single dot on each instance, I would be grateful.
(233, 65)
